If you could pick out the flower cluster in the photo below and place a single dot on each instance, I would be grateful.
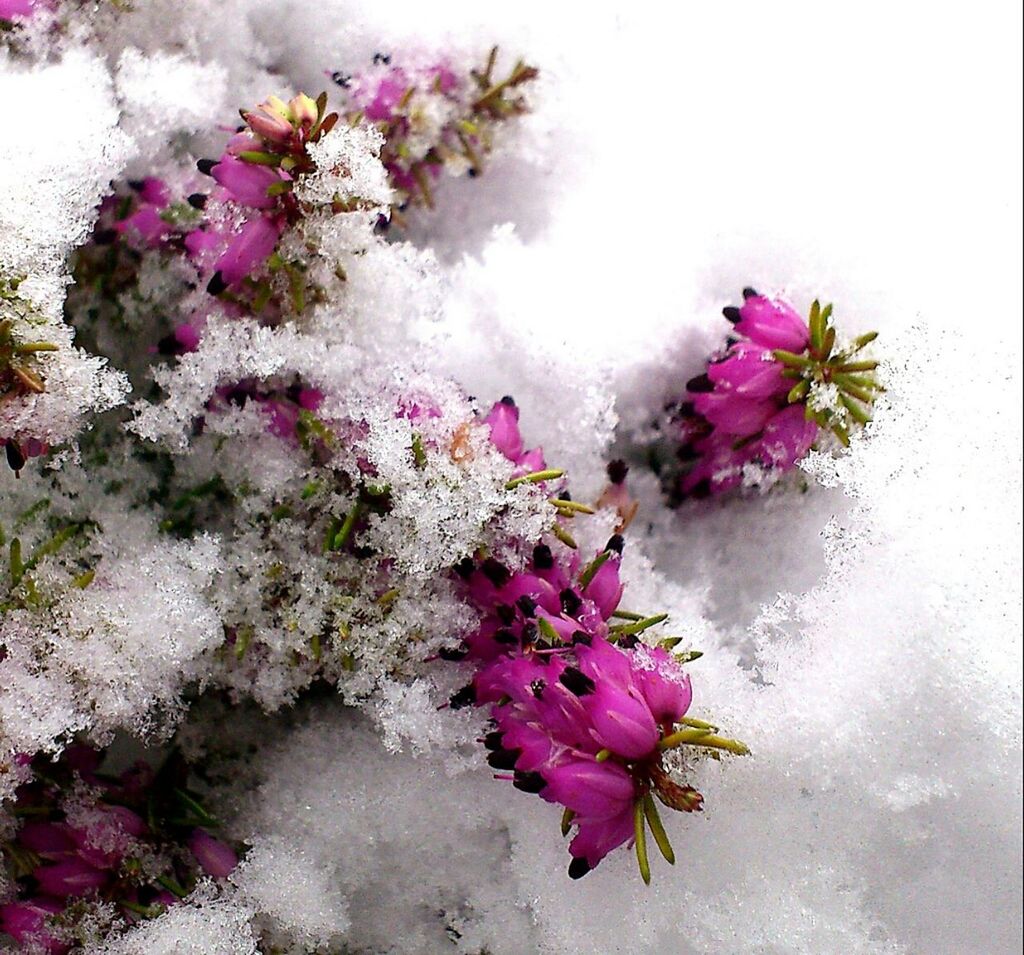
(433, 119)
(94, 848)
(583, 711)
(772, 393)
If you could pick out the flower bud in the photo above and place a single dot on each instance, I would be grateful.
(217, 858)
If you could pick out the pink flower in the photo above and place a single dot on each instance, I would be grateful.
(503, 420)
(595, 838)
(146, 221)
(732, 413)
(246, 182)
(749, 370)
(247, 251)
(591, 789)
(771, 323)
(381, 98)
(49, 840)
(25, 922)
(9, 9)
(787, 437)
(217, 858)
(662, 682)
(70, 877)
(605, 589)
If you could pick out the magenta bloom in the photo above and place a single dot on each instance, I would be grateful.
(760, 402)
(590, 789)
(9, 9)
(70, 877)
(662, 682)
(595, 838)
(217, 858)
(145, 223)
(247, 250)
(25, 922)
(503, 420)
(771, 323)
(245, 182)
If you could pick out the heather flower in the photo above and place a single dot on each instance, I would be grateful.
(11, 9)
(247, 250)
(26, 923)
(503, 420)
(146, 222)
(80, 829)
(216, 858)
(769, 397)
(582, 711)
(434, 119)
(247, 183)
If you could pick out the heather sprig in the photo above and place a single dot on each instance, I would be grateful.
(582, 712)
(92, 847)
(777, 389)
(434, 118)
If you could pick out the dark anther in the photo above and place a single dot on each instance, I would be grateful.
(529, 782)
(581, 636)
(748, 292)
(537, 688)
(570, 602)
(198, 200)
(701, 489)
(452, 654)
(578, 868)
(617, 471)
(542, 557)
(504, 758)
(615, 543)
(506, 614)
(509, 401)
(527, 605)
(700, 385)
(137, 184)
(465, 697)
(342, 79)
(576, 681)
(492, 741)
(169, 345)
(15, 456)
(379, 58)
(528, 634)
(506, 637)
(472, 172)
(496, 572)
(732, 313)
(465, 567)
(216, 285)
(205, 166)
(629, 641)
(564, 496)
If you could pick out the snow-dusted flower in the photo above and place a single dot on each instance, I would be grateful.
(769, 396)
(434, 118)
(83, 838)
(582, 710)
